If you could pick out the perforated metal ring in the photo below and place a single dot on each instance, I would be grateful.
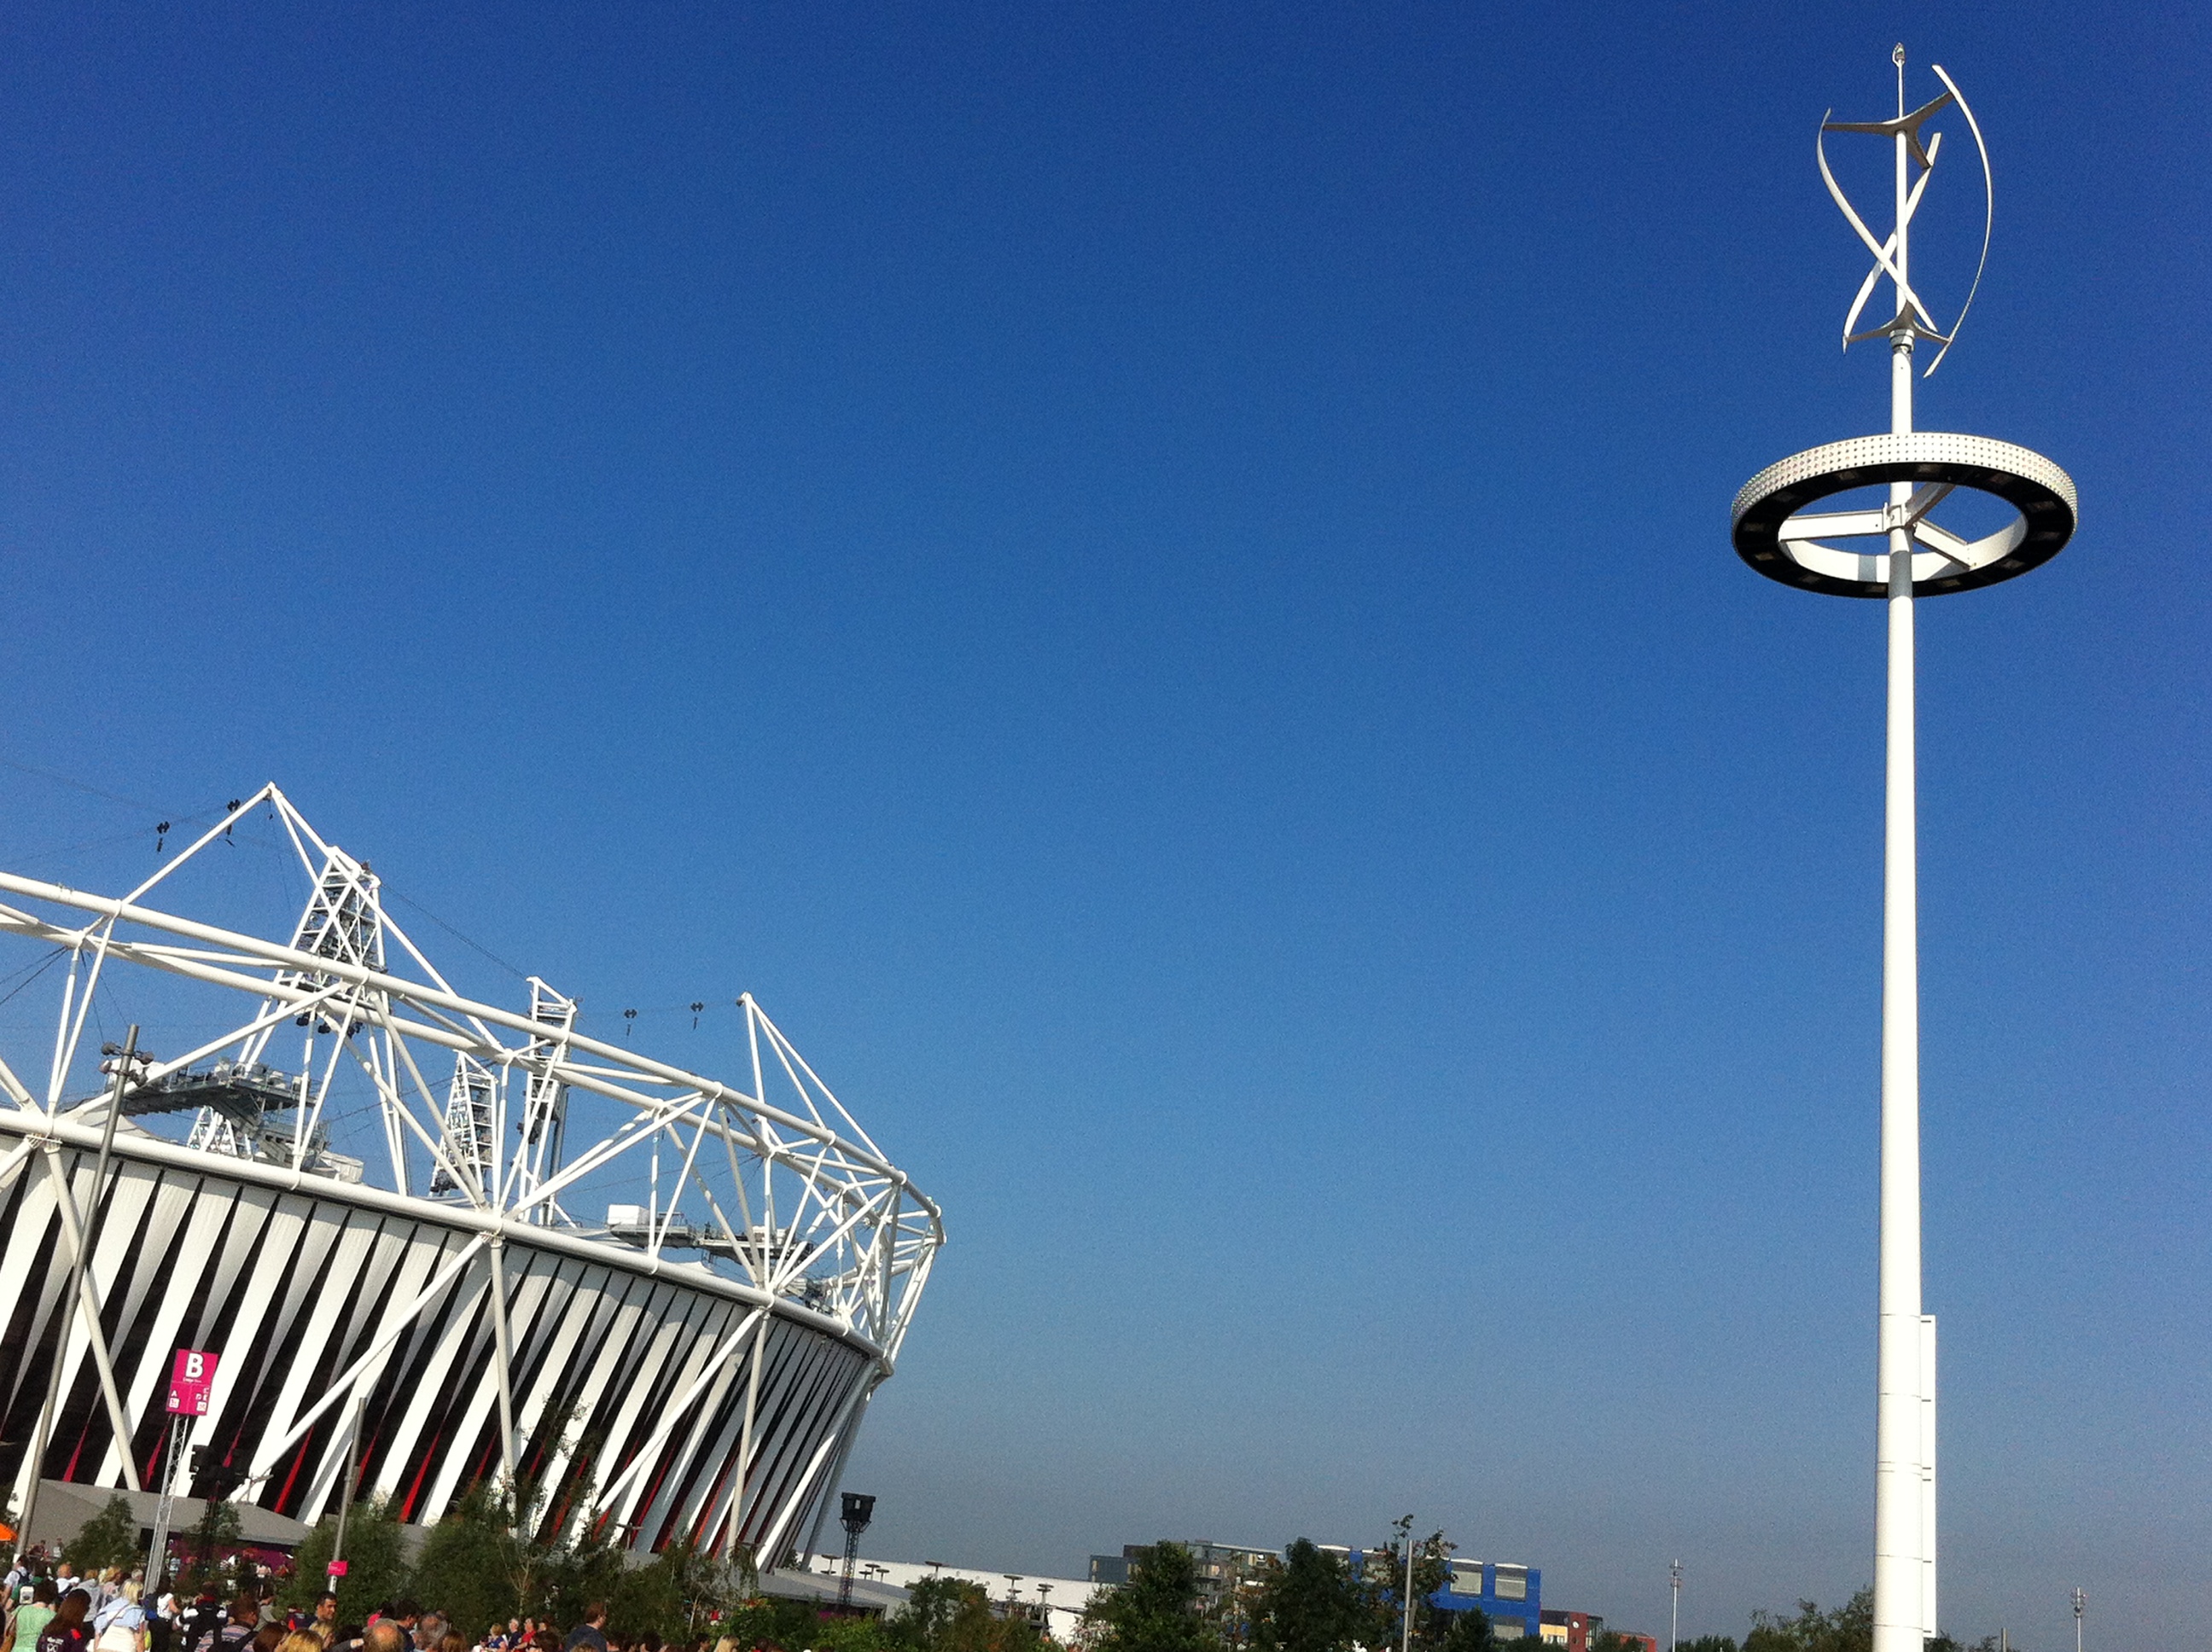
(1767, 509)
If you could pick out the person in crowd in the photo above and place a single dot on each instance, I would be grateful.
(269, 1636)
(197, 1619)
(241, 1622)
(301, 1640)
(590, 1635)
(118, 1625)
(65, 1631)
(430, 1632)
(385, 1635)
(452, 1641)
(32, 1618)
(546, 1640)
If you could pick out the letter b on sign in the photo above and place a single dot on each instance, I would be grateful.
(192, 1375)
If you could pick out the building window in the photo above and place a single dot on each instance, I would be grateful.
(1508, 1628)
(1466, 1577)
(1512, 1582)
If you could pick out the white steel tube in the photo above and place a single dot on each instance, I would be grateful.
(1900, 1582)
(1406, 1631)
(1928, 1596)
(503, 1351)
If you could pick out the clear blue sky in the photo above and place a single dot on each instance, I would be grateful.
(1155, 582)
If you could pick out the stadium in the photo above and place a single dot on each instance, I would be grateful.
(430, 1240)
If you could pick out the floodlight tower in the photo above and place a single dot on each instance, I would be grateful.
(1902, 555)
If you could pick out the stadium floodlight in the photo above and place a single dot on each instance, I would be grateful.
(857, 1510)
(1902, 555)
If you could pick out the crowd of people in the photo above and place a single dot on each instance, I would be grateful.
(55, 1610)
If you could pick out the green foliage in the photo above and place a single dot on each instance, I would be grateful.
(1308, 1604)
(212, 1541)
(942, 1614)
(571, 1574)
(1470, 1632)
(110, 1538)
(1382, 1578)
(854, 1634)
(471, 1563)
(1849, 1628)
(1708, 1644)
(1613, 1640)
(674, 1595)
(761, 1621)
(376, 1566)
(1156, 1611)
(932, 1606)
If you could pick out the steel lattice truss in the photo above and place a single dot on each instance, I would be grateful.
(767, 1192)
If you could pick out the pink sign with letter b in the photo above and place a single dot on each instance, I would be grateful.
(191, 1374)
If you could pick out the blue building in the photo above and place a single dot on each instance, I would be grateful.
(1511, 1596)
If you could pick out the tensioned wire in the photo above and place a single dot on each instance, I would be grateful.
(176, 820)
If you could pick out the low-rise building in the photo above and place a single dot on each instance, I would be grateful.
(1055, 1605)
(1573, 1630)
(1509, 1593)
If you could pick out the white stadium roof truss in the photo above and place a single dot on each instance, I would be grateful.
(767, 1192)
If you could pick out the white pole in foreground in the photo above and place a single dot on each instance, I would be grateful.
(1778, 538)
(1901, 1547)
(1405, 1631)
(1675, 1616)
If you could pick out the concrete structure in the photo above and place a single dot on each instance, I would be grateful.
(1053, 1604)
(1225, 1569)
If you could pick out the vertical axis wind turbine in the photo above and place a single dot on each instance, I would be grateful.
(1900, 554)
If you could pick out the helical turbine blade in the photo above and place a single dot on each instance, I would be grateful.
(1912, 206)
(1989, 211)
(1880, 249)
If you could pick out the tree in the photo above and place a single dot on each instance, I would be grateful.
(932, 1607)
(376, 1565)
(1849, 1628)
(110, 1538)
(577, 1570)
(1309, 1604)
(1383, 1579)
(214, 1541)
(1470, 1632)
(668, 1596)
(1708, 1644)
(468, 1564)
(1156, 1611)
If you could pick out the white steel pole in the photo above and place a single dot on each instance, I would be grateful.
(1675, 1614)
(1406, 1628)
(1900, 1582)
(157, 1550)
